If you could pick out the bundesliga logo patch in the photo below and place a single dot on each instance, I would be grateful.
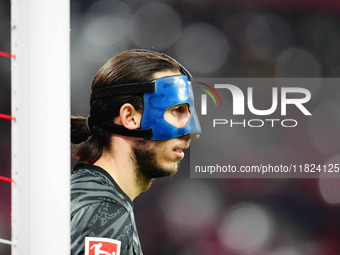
(101, 246)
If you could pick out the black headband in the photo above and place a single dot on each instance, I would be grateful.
(123, 89)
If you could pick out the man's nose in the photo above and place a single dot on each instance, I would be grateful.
(195, 136)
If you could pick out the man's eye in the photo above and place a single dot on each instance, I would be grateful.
(176, 110)
(180, 109)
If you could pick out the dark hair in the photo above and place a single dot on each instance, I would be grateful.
(132, 66)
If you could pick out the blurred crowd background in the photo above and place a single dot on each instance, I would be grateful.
(212, 38)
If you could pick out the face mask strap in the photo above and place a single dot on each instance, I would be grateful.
(119, 90)
(120, 130)
(123, 89)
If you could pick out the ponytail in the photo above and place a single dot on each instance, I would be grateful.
(79, 130)
(91, 141)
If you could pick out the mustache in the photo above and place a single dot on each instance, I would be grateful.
(182, 145)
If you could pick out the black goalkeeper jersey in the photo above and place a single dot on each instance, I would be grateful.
(101, 215)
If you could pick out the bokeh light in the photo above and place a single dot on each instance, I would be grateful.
(202, 47)
(328, 142)
(109, 28)
(321, 34)
(246, 228)
(259, 36)
(156, 26)
(267, 35)
(297, 63)
(106, 22)
(329, 185)
(190, 208)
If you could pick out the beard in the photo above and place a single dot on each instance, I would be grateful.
(147, 167)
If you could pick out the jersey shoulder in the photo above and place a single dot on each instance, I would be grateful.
(103, 219)
(91, 184)
(100, 209)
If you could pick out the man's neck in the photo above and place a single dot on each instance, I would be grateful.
(120, 165)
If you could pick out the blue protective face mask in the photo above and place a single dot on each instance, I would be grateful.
(169, 91)
(159, 95)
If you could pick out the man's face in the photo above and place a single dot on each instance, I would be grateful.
(161, 158)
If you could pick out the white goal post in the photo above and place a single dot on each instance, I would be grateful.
(40, 39)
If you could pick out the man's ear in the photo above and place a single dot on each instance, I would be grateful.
(129, 117)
